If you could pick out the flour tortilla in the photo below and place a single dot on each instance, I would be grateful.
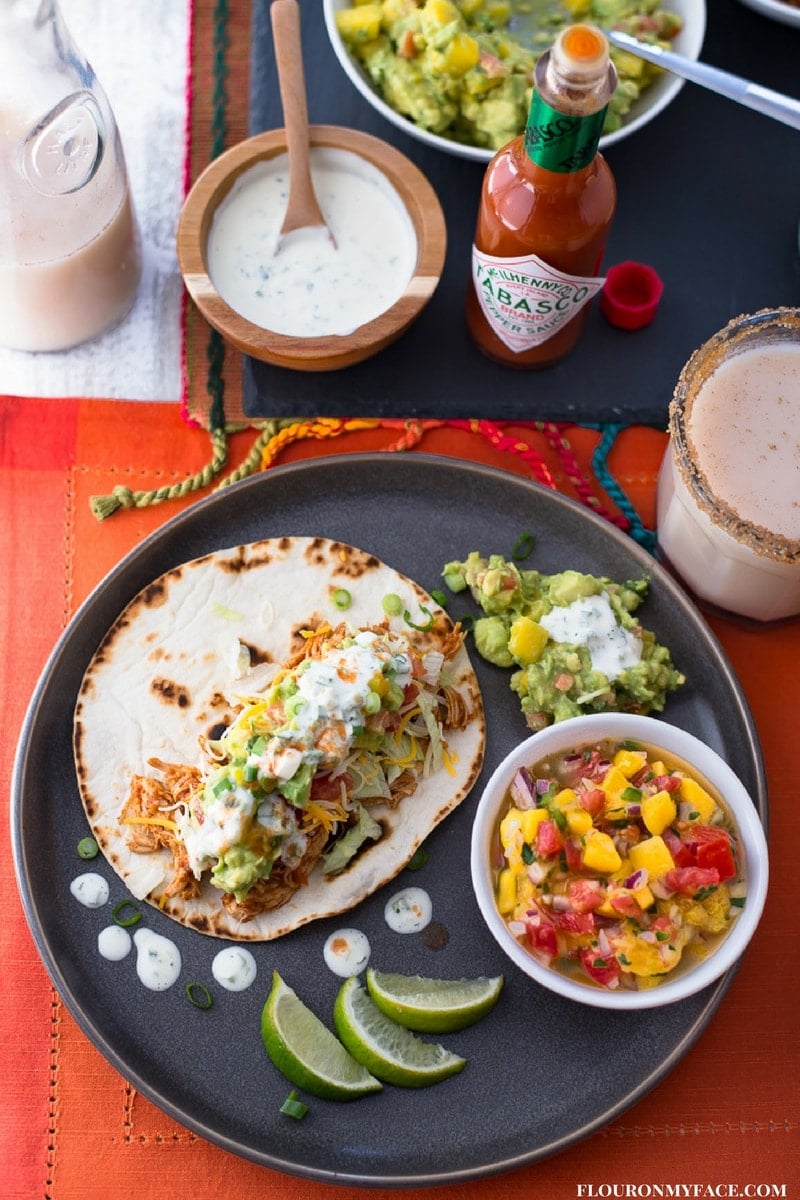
(169, 670)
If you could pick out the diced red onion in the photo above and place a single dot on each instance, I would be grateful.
(649, 936)
(561, 904)
(522, 790)
(542, 786)
(634, 810)
(637, 879)
(603, 944)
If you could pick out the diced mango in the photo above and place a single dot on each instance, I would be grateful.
(600, 854)
(527, 638)
(651, 855)
(658, 768)
(518, 827)
(702, 803)
(498, 12)
(359, 24)
(440, 12)
(644, 897)
(658, 811)
(628, 64)
(614, 785)
(629, 761)
(506, 891)
(531, 820)
(460, 56)
(566, 797)
(579, 821)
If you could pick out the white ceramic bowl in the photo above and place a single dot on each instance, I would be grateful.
(777, 10)
(655, 99)
(693, 974)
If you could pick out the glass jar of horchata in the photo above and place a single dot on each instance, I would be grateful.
(69, 251)
(728, 504)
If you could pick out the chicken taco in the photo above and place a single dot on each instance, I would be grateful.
(267, 734)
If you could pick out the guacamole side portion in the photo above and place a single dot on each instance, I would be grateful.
(572, 640)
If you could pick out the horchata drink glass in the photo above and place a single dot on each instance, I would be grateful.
(728, 503)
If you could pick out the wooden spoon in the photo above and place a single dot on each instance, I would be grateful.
(302, 210)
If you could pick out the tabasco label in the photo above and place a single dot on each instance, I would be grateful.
(525, 300)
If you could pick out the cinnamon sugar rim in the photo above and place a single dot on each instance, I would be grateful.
(784, 324)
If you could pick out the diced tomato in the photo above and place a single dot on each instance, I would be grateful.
(585, 895)
(549, 841)
(681, 854)
(605, 971)
(712, 849)
(542, 939)
(409, 693)
(592, 799)
(573, 922)
(626, 905)
(667, 783)
(573, 854)
(329, 787)
(688, 881)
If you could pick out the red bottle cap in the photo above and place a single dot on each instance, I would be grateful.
(631, 294)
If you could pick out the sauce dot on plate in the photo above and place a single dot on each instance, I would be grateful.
(234, 968)
(409, 911)
(158, 960)
(347, 952)
(90, 889)
(114, 943)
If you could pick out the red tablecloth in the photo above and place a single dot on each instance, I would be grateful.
(72, 1129)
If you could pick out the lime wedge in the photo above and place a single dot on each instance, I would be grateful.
(386, 1049)
(306, 1051)
(433, 1005)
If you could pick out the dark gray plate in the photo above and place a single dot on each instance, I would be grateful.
(542, 1072)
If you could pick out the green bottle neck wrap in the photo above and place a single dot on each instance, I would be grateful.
(559, 142)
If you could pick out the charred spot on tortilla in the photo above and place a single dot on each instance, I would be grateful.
(155, 594)
(257, 653)
(171, 692)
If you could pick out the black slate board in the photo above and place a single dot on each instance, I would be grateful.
(709, 195)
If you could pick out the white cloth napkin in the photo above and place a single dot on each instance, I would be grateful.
(140, 53)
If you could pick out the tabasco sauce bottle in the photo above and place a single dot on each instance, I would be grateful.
(547, 202)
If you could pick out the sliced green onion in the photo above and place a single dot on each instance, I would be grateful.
(88, 848)
(467, 622)
(133, 914)
(342, 598)
(198, 995)
(225, 784)
(426, 625)
(251, 773)
(292, 1107)
(392, 605)
(631, 795)
(418, 859)
(439, 597)
(522, 546)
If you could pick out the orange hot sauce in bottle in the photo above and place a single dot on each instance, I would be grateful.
(547, 203)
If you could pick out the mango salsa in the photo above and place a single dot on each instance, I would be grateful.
(618, 865)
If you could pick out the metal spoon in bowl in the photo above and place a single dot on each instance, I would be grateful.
(751, 95)
(302, 210)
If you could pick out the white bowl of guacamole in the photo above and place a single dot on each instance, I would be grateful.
(468, 106)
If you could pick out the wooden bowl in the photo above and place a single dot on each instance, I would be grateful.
(333, 351)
